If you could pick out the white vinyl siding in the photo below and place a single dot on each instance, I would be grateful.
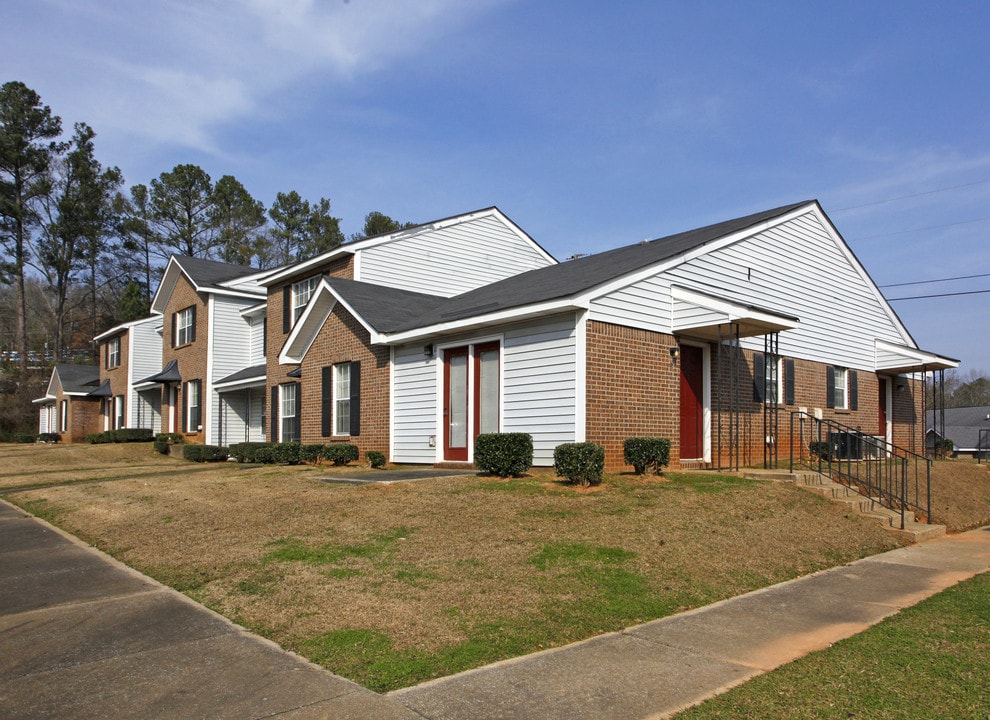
(451, 260)
(147, 409)
(539, 383)
(414, 390)
(257, 330)
(242, 416)
(145, 359)
(231, 346)
(796, 269)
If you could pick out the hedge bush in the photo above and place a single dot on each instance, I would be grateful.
(340, 453)
(283, 453)
(376, 459)
(99, 438)
(246, 451)
(122, 435)
(265, 454)
(310, 453)
(161, 447)
(204, 453)
(647, 453)
(820, 449)
(16, 437)
(580, 462)
(49, 437)
(170, 438)
(503, 454)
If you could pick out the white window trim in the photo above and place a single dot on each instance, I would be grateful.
(198, 385)
(113, 352)
(338, 417)
(841, 383)
(183, 326)
(779, 394)
(282, 414)
(307, 287)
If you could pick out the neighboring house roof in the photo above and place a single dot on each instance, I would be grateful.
(962, 425)
(74, 380)
(386, 309)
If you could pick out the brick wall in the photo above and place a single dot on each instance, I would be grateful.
(275, 338)
(343, 339)
(82, 417)
(192, 357)
(116, 375)
(633, 389)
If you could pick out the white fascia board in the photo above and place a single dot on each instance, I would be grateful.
(255, 310)
(146, 386)
(524, 312)
(302, 268)
(257, 381)
(732, 310)
(304, 332)
(249, 295)
(167, 284)
(913, 357)
(46, 399)
(126, 326)
(649, 271)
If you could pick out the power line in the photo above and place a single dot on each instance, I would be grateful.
(908, 197)
(926, 282)
(922, 229)
(938, 295)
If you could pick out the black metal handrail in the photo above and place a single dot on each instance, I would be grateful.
(899, 479)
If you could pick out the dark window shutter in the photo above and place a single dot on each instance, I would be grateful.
(264, 336)
(185, 395)
(830, 387)
(298, 419)
(853, 390)
(326, 428)
(759, 378)
(274, 413)
(286, 308)
(175, 329)
(355, 398)
(789, 382)
(192, 328)
(198, 410)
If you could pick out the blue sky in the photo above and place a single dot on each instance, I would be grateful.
(591, 124)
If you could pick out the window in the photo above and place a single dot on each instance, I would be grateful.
(288, 412)
(486, 378)
(302, 291)
(184, 326)
(113, 353)
(842, 389)
(192, 399)
(63, 416)
(342, 399)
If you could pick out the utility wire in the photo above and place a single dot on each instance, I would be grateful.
(908, 197)
(926, 282)
(922, 229)
(924, 297)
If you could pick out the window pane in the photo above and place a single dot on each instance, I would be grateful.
(458, 401)
(488, 412)
(342, 399)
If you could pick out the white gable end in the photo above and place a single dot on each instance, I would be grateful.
(452, 259)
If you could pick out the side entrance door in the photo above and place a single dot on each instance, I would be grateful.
(455, 404)
(692, 403)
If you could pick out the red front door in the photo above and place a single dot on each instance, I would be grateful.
(692, 403)
(882, 404)
(455, 404)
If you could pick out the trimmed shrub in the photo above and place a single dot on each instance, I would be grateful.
(133, 435)
(17, 437)
(161, 447)
(503, 454)
(170, 438)
(647, 453)
(820, 449)
(310, 453)
(340, 453)
(580, 462)
(376, 459)
(284, 453)
(246, 451)
(204, 453)
(49, 437)
(100, 438)
(264, 455)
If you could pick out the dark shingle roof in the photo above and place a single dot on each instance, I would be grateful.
(210, 272)
(77, 378)
(255, 371)
(576, 276)
(386, 309)
(963, 425)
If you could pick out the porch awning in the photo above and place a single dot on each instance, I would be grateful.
(248, 377)
(102, 391)
(708, 317)
(901, 359)
(169, 374)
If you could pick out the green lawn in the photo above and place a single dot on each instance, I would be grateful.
(929, 661)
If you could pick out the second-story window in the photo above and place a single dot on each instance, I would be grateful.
(113, 353)
(185, 326)
(302, 291)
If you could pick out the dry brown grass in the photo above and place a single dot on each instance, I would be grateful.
(427, 563)
(961, 494)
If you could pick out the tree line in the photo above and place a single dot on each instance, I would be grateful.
(82, 252)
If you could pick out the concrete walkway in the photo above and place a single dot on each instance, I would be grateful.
(82, 636)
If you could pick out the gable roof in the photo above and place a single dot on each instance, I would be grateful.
(209, 276)
(577, 276)
(963, 425)
(74, 380)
